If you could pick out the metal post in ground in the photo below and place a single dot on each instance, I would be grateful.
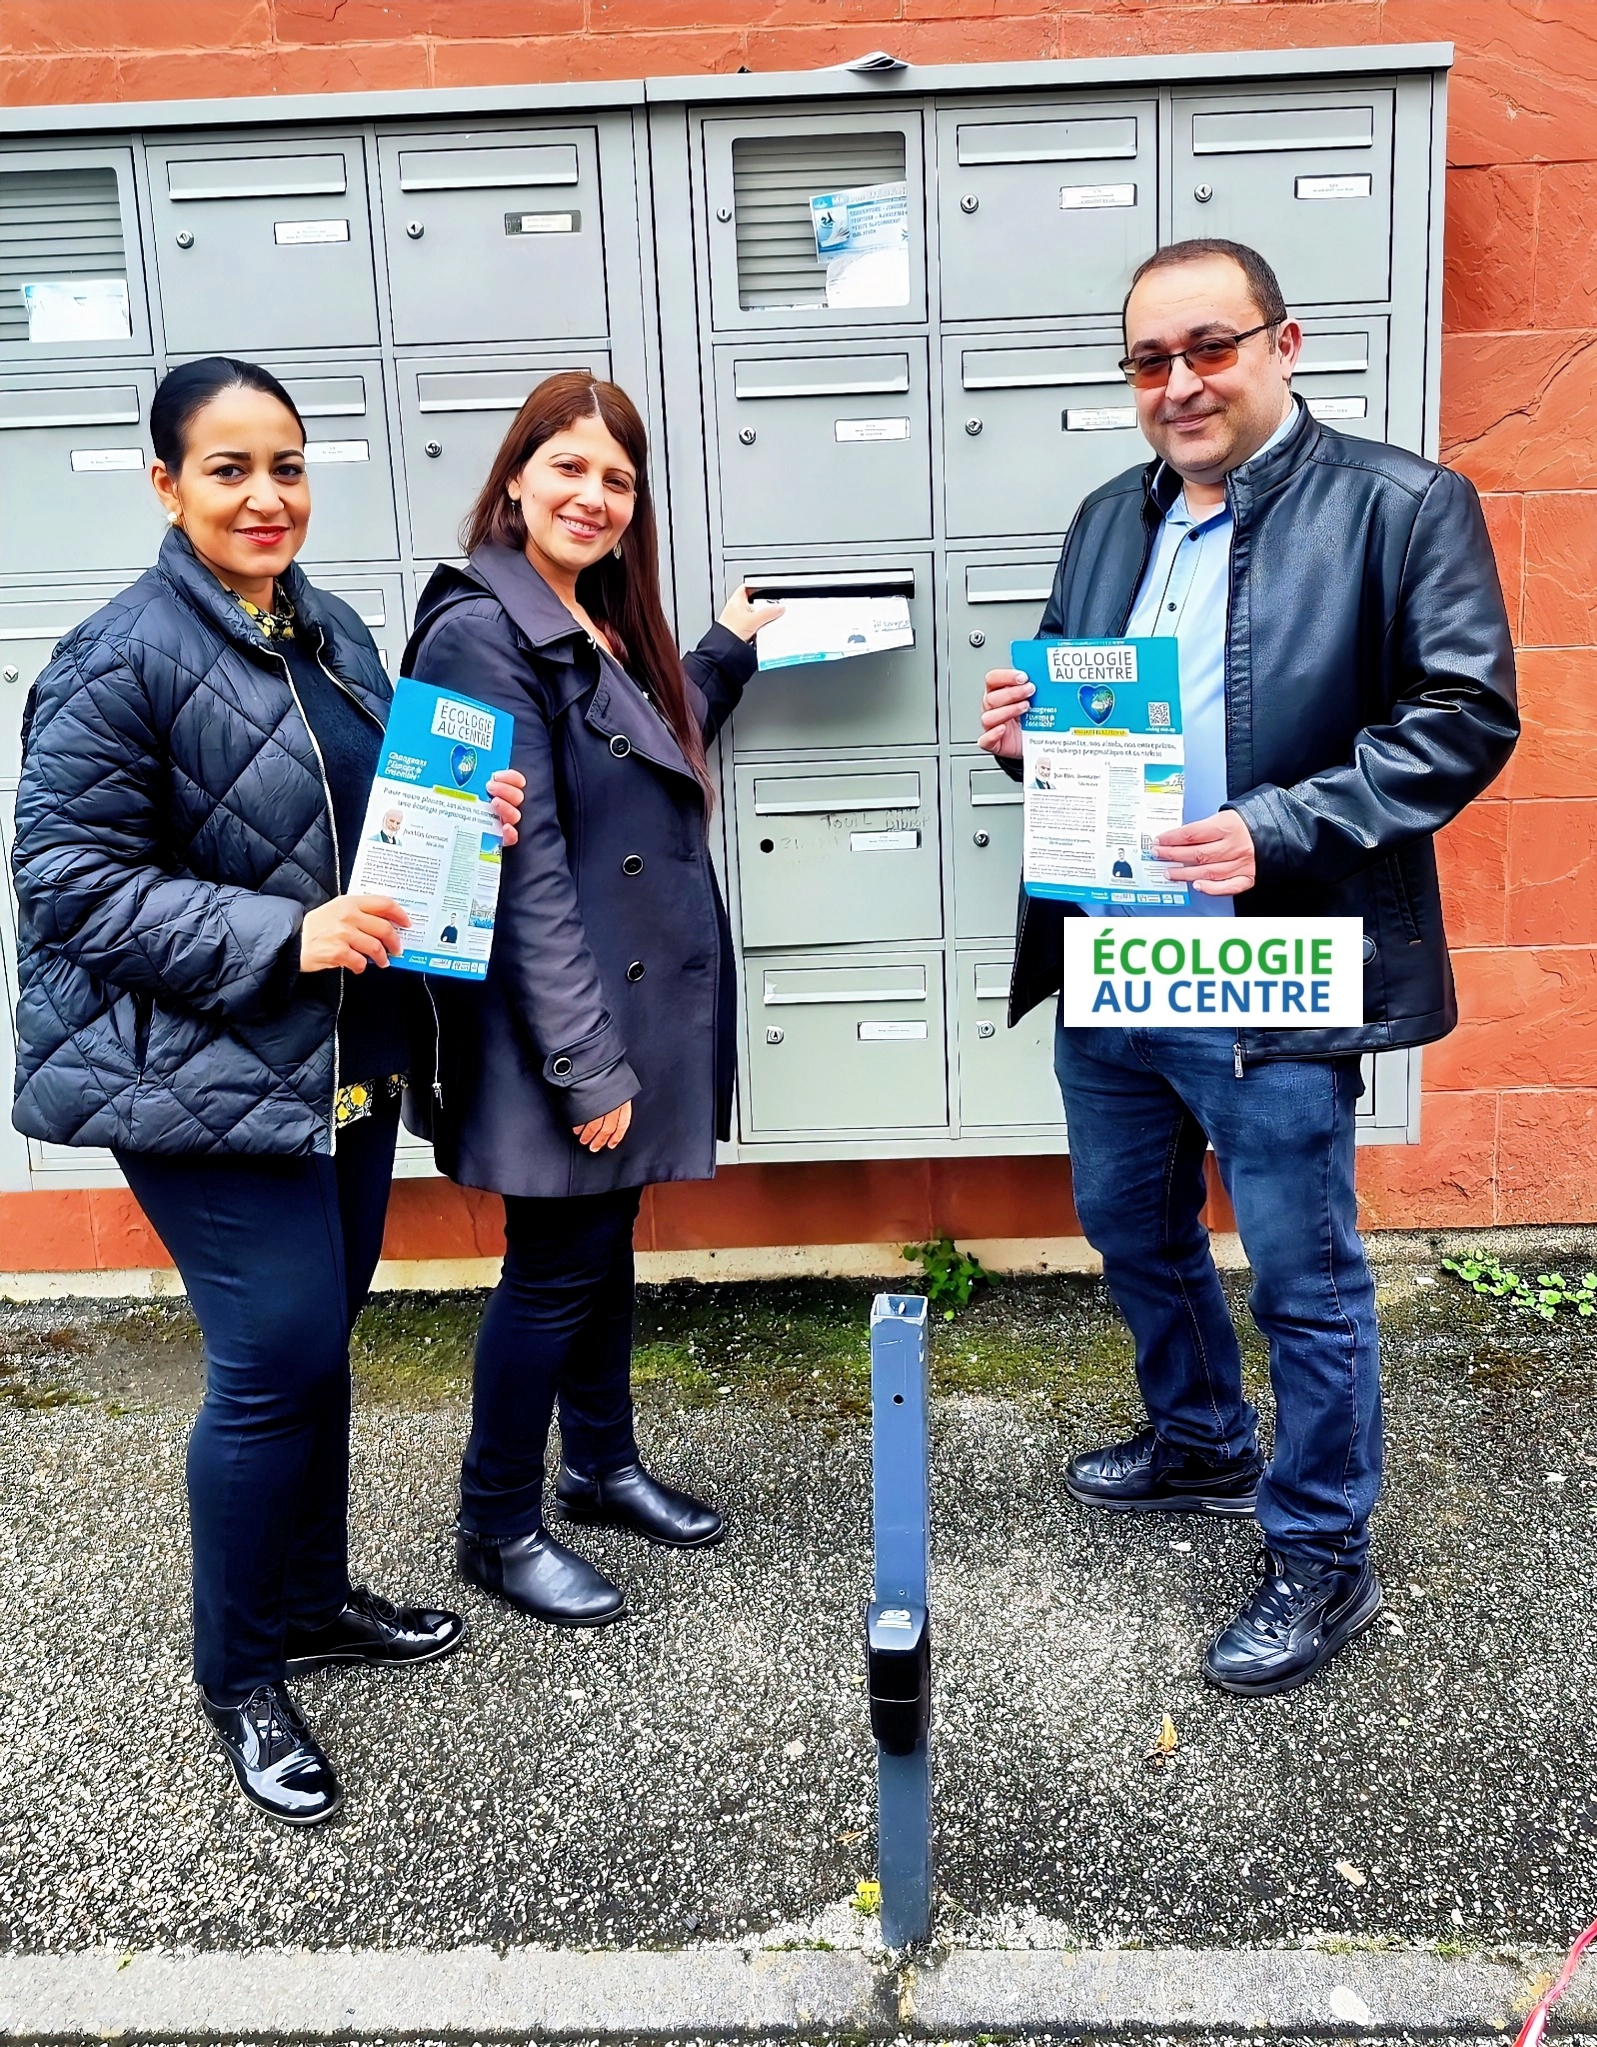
(897, 1623)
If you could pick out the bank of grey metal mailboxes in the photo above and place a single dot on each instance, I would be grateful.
(411, 265)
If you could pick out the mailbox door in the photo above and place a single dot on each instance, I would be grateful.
(493, 236)
(1305, 178)
(759, 178)
(31, 622)
(1341, 374)
(379, 603)
(993, 600)
(1044, 208)
(263, 243)
(986, 818)
(838, 855)
(74, 454)
(68, 218)
(1006, 1077)
(453, 417)
(1032, 427)
(885, 699)
(347, 455)
(845, 1045)
(823, 444)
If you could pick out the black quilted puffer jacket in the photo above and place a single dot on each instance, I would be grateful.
(172, 829)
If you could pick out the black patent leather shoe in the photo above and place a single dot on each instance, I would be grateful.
(372, 1630)
(278, 1763)
(632, 1498)
(540, 1576)
(1145, 1476)
(1297, 1619)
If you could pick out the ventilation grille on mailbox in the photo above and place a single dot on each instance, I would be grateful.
(55, 224)
(774, 178)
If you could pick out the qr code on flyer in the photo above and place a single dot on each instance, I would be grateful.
(1158, 717)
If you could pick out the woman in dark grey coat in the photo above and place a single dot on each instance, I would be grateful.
(598, 1055)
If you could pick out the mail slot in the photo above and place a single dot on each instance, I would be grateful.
(31, 622)
(378, 602)
(823, 445)
(71, 278)
(993, 600)
(1045, 209)
(74, 453)
(1304, 177)
(985, 819)
(883, 699)
(347, 459)
(1031, 428)
(846, 1045)
(1341, 374)
(453, 416)
(838, 856)
(493, 236)
(263, 243)
(1006, 1077)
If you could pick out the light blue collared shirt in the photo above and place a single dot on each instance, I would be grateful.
(1186, 592)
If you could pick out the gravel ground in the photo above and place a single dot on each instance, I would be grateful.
(703, 1771)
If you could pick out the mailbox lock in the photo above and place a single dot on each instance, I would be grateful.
(767, 845)
(986, 1030)
(635, 971)
(973, 427)
(978, 639)
(621, 746)
(746, 436)
(980, 839)
(185, 238)
(969, 203)
(773, 1034)
(723, 214)
(415, 230)
(434, 448)
(633, 864)
(1203, 194)
(13, 674)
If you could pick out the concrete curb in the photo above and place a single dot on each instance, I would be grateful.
(476, 1994)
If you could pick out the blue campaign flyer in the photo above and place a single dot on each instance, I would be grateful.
(430, 840)
(1104, 769)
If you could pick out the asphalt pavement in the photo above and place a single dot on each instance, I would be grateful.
(702, 1773)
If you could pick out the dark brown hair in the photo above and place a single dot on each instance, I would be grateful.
(1263, 284)
(622, 596)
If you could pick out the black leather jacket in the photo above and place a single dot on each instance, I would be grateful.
(1369, 696)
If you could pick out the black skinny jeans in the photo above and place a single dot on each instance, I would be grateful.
(277, 1255)
(557, 1330)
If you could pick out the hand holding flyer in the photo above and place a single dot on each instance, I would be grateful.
(1104, 769)
(431, 840)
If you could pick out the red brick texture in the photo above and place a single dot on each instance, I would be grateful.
(1510, 1114)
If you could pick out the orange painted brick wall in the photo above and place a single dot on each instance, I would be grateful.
(1510, 1115)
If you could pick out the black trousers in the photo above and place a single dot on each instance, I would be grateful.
(557, 1331)
(277, 1255)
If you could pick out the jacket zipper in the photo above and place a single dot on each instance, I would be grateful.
(338, 868)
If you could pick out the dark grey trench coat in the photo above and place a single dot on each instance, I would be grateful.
(612, 976)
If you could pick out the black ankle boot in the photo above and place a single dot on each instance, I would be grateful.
(540, 1576)
(277, 1760)
(632, 1498)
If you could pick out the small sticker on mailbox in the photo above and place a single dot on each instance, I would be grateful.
(338, 451)
(1348, 186)
(1098, 419)
(542, 223)
(1339, 408)
(872, 429)
(1072, 197)
(884, 1033)
(883, 842)
(107, 458)
(291, 233)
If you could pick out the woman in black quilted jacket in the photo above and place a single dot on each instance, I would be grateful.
(199, 993)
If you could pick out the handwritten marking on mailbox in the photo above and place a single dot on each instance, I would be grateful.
(1356, 185)
(883, 842)
(107, 458)
(1097, 419)
(338, 451)
(871, 430)
(1072, 197)
(881, 1033)
(290, 234)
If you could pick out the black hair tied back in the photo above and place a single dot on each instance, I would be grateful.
(185, 392)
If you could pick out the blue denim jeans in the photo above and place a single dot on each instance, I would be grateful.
(1139, 1106)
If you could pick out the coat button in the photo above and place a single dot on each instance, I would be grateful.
(621, 746)
(1368, 948)
(633, 864)
(635, 971)
(560, 1067)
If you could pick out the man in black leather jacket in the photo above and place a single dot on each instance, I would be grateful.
(1347, 687)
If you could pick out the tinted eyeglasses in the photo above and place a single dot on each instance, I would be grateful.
(1203, 358)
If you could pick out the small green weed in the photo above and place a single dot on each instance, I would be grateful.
(1543, 1296)
(951, 1275)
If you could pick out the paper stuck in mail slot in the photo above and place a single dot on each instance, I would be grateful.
(834, 629)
